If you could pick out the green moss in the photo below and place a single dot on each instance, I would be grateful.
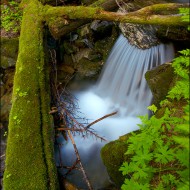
(70, 12)
(113, 156)
(88, 68)
(9, 47)
(7, 62)
(104, 46)
(29, 154)
(160, 80)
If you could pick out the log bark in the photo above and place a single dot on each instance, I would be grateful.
(60, 27)
(157, 14)
(29, 156)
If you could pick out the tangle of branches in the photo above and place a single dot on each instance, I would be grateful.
(67, 117)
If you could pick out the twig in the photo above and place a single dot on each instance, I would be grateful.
(108, 115)
(88, 126)
(72, 167)
(69, 129)
(2, 156)
(80, 163)
(64, 110)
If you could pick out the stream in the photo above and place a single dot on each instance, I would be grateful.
(122, 88)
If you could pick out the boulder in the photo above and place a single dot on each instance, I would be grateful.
(6, 94)
(113, 156)
(9, 52)
(160, 80)
(83, 53)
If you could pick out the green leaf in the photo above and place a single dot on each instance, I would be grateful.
(152, 108)
(130, 184)
(164, 155)
(124, 168)
(183, 157)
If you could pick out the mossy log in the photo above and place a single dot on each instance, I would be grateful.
(58, 18)
(30, 161)
(60, 28)
(147, 15)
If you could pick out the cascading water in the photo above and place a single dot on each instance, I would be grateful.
(122, 80)
(121, 88)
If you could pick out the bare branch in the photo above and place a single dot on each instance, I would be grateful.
(80, 163)
(96, 121)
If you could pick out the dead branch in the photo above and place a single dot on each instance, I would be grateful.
(65, 110)
(108, 115)
(80, 163)
(74, 166)
(2, 156)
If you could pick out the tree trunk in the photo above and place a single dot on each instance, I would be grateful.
(60, 27)
(58, 18)
(30, 161)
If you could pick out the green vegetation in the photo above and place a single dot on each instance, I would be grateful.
(29, 155)
(159, 154)
(114, 160)
(11, 16)
(185, 15)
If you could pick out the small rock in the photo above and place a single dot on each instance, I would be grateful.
(68, 185)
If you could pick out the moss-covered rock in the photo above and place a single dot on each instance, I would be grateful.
(113, 156)
(9, 47)
(160, 80)
(82, 54)
(6, 94)
(9, 51)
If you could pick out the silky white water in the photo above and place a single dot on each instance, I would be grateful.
(121, 87)
(122, 80)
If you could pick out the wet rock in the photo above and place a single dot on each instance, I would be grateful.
(9, 52)
(141, 36)
(173, 33)
(101, 29)
(68, 185)
(160, 80)
(85, 55)
(7, 62)
(84, 31)
(5, 106)
(65, 73)
(113, 156)
(6, 94)
(69, 48)
(146, 36)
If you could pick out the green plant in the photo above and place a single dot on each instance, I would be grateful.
(159, 154)
(159, 157)
(185, 15)
(11, 16)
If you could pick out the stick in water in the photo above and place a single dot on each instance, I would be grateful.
(78, 157)
(105, 116)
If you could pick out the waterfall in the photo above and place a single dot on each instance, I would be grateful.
(122, 80)
(121, 87)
